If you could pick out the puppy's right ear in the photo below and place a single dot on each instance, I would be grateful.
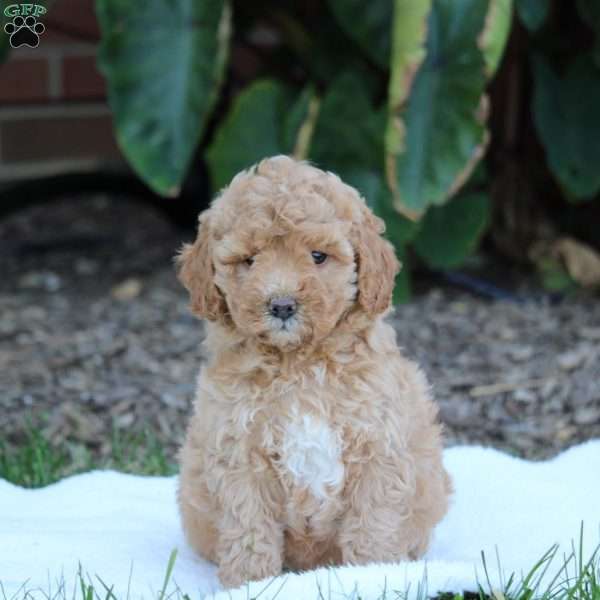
(196, 272)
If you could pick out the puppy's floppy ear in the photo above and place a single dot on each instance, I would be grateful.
(377, 265)
(196, 272)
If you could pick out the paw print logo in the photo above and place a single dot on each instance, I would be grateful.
(24, 31)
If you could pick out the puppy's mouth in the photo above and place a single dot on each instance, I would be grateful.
(277, 325)
(284, 333)
(287, 325)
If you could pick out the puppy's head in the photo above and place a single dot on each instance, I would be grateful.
(285, 252)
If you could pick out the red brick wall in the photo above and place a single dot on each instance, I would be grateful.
(53, 112)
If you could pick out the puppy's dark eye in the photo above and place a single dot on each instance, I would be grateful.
(249, 261)
(319, 257)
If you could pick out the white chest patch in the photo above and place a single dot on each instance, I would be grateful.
(312, 455)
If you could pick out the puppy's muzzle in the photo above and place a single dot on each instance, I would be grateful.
(283, 307)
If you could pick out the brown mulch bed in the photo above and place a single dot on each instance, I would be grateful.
(95, 335)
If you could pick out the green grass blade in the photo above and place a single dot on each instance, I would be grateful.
(168, 573)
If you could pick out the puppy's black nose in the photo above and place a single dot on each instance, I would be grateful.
(283, 308)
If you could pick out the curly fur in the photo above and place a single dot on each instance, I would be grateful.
(314, 443)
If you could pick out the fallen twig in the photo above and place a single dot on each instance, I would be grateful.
(506, 386)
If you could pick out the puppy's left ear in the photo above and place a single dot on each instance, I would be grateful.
(196, 272)
(377, 265)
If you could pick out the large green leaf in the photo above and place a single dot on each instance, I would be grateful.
(163, 62)
(445, 135)
(252, 131)
(299, 123)
(532, 13)
(449, 233)
(348, 133)
(368, 24)
(567, 119)
(409, 31)
(264, 120)
(495, 34)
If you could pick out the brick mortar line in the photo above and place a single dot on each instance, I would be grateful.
(44, 168)
(93, 109)
(66, 50)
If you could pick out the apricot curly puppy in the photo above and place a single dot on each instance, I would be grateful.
(314, 441)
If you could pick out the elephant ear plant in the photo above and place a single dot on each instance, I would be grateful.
(390, 94)
(163, 62)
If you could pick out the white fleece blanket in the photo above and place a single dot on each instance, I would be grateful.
(122, 529)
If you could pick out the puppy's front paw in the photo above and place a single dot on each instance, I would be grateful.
(249, 568)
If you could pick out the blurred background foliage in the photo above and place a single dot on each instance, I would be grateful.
(454, 118)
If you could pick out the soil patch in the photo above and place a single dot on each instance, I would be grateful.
(95, 334)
